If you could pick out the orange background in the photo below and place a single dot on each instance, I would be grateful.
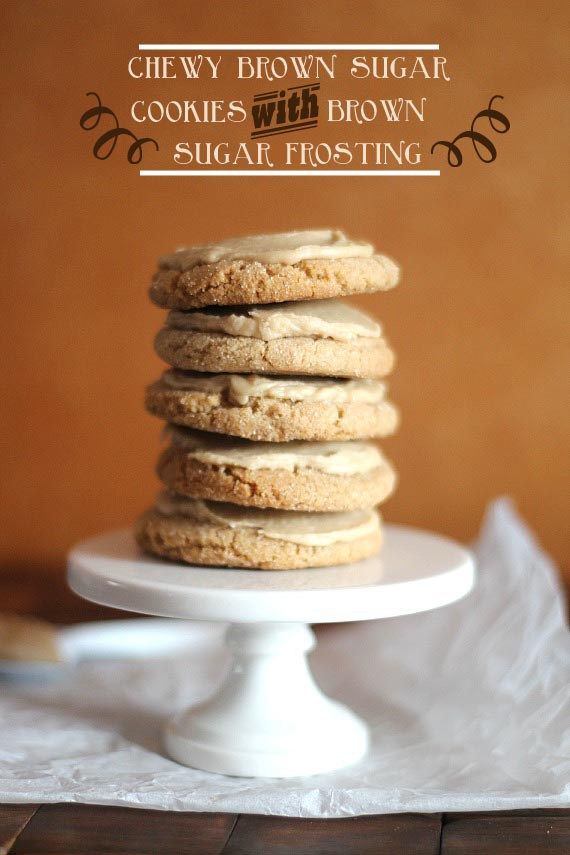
(479, 322)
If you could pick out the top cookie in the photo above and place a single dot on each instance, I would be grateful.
(303, 265)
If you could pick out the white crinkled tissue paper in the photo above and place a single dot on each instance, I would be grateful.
(468, 707)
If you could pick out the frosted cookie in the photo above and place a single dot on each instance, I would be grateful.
(304, 265)
(319, 337)
(275, 409)
(219, 534)
(296, 476)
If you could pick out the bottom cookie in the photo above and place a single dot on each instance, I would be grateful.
(195, 531)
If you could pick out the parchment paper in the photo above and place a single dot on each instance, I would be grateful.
(468, 707)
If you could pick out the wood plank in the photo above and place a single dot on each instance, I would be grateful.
(95, 830)
(13, 818)
(29, 590)
(506, 833)
(364, 835)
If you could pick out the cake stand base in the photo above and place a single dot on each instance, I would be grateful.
(269, 718)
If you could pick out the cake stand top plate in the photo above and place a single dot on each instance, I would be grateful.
(414, 571)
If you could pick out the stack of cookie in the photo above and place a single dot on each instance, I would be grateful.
(271, 402)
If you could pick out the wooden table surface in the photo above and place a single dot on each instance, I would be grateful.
(92, 830)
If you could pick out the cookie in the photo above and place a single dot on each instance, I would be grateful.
(306, 265)
(26, 639)
(274, 409)
(295, 476)
(320, 337)
(218, 534)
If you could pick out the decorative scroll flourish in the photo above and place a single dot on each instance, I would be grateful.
(484, 148)
(105, 144)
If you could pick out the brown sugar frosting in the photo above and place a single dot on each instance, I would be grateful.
(280, 248)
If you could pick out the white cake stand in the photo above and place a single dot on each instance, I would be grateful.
(269, 718)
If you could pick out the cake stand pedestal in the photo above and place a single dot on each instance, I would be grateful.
(269, 718)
